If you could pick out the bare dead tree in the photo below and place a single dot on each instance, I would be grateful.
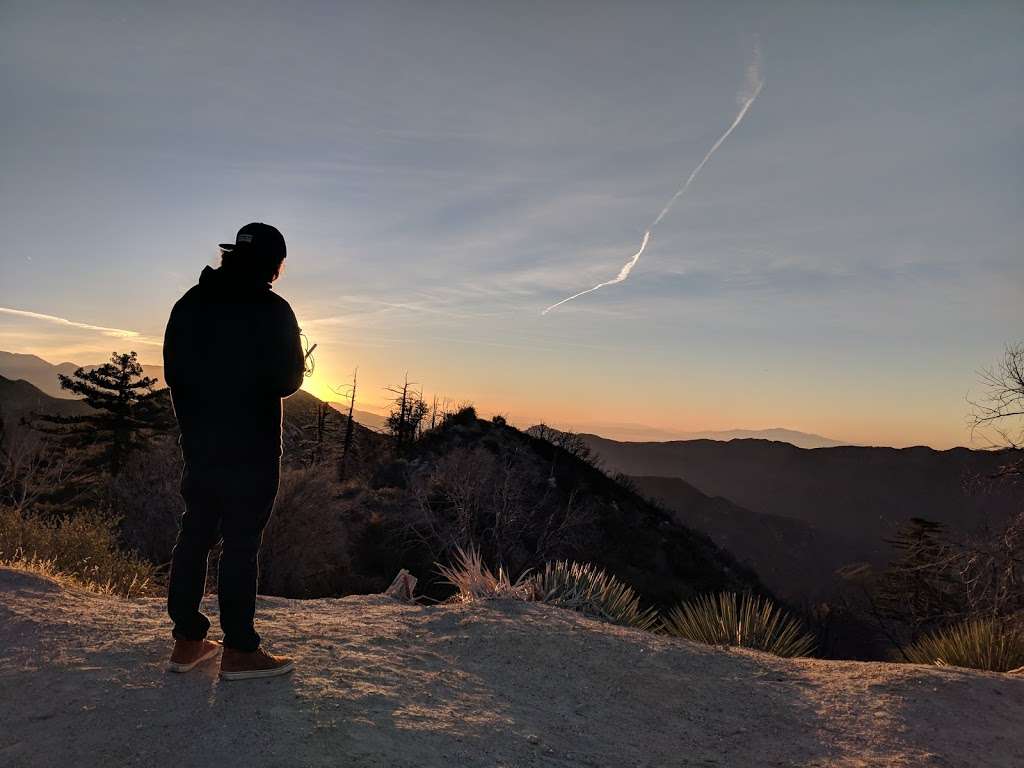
(998, 414)
(567, 441)
(346, 443)
(417, 424)
(312, 437)
(992, 564)
(31, 467)
(942, 577)
(991, 567)
(406, 418)
(500, 504)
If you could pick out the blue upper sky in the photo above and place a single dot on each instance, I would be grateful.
(443, 171)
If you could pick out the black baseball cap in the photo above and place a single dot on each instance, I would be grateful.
(258, 238)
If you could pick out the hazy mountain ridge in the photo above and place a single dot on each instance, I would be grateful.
(646, 433)
(368, 419)
(857, 491)
(20, 398)
(43, 374)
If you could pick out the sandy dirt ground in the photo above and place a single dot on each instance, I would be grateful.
(379, 683)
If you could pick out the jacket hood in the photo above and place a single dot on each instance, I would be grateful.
(228, 282)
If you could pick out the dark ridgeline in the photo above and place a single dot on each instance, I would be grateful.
(862, 493)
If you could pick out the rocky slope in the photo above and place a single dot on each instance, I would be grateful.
(380, 683)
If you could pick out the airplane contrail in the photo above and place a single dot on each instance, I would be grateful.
(623, 274)
(754, 85)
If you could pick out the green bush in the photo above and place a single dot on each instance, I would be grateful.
(83, 548)
(746, 621)
(996, 645)
(588, 589)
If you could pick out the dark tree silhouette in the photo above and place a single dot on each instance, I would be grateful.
(314, 447)
(1000, 409)
(567, 441)
(128, 413)
(405, 420)
(347, 440)
(922, 588)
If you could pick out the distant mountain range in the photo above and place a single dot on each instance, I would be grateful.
(644, 433)
(865, 493)
(19, 398)
(373, 421)
(43, 374)
(797, 516)
(28, 379)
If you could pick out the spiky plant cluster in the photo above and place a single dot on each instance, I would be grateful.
(990, 644)
(475, 581)
(747, 621)
(590, 590)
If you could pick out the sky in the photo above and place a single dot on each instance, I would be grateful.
(844, 264)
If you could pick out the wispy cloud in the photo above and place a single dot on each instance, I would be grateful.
(117, 333)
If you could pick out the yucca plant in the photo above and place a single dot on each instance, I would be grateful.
(588, 589)
(746, 621)
(475, 581)
(996, 645)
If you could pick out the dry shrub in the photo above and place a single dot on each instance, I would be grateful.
(305, 549)
(475, 581)
(32, 468)
(499, 502)
(146, 496)
(746, 621)
(83, 548)
(996, 645)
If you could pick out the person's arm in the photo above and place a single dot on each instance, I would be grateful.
(286, 365)
(175, 345)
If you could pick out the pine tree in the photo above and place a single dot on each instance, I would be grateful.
(128, 413)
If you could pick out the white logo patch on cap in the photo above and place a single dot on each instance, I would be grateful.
(245, 238)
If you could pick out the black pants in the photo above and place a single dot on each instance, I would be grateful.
(232, 502)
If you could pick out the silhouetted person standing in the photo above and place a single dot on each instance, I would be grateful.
(232, 351)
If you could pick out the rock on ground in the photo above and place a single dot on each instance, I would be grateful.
(380, 683)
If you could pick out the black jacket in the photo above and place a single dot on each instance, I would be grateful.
(231, 352)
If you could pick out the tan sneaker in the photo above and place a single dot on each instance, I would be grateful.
(189, 654)
(240, 665)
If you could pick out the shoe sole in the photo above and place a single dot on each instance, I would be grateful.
(174, 666)
(256, 674)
